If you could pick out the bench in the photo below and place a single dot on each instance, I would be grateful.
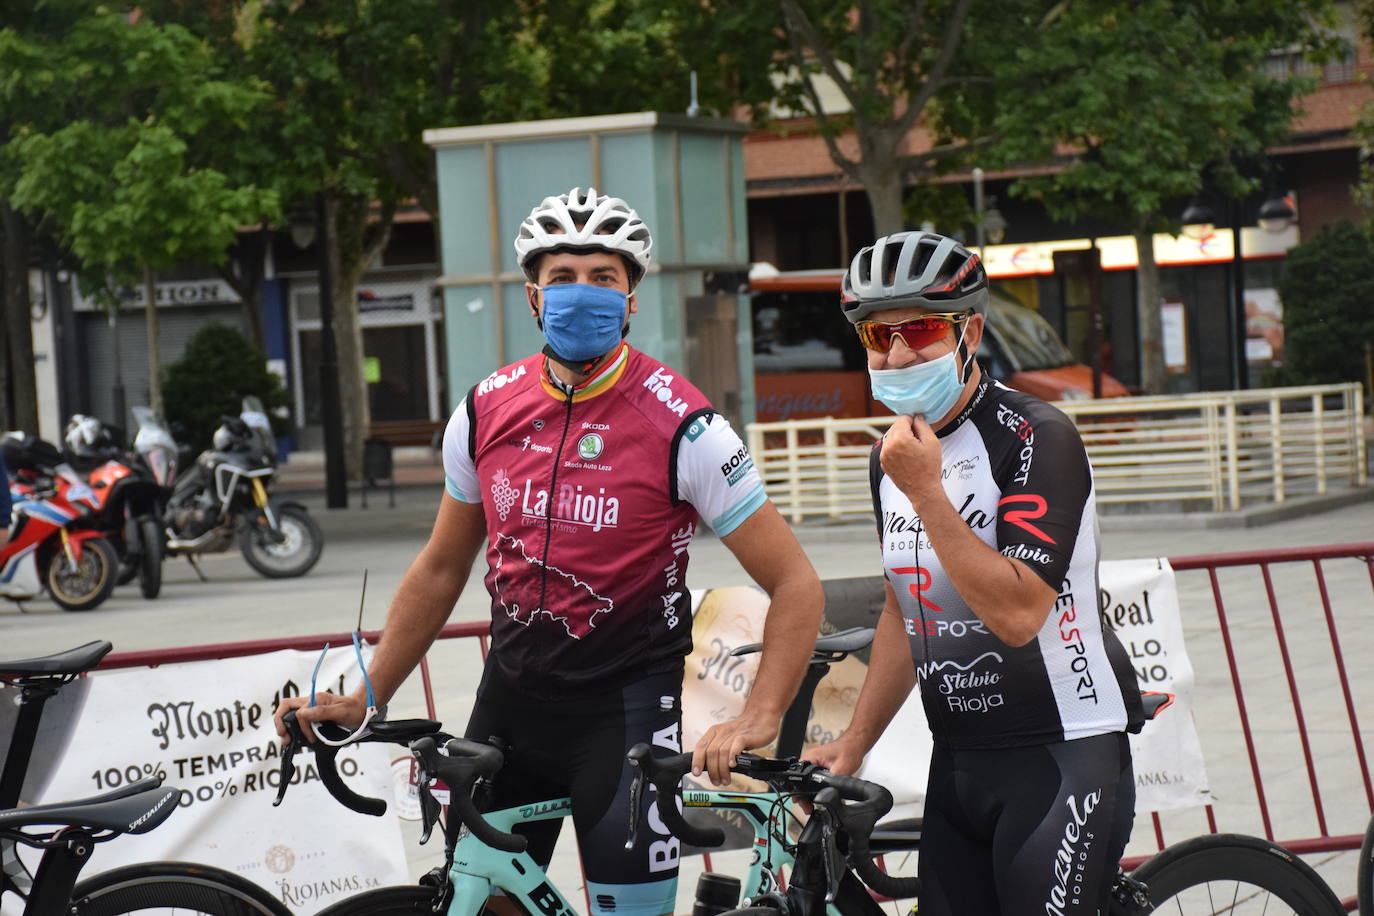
(409, 432)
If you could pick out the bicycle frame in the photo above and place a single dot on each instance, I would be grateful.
(478, 868)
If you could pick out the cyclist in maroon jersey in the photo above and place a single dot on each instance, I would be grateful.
(585, 469)
(984, 502)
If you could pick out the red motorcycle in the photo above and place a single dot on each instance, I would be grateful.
(128, 497)
(51, 546)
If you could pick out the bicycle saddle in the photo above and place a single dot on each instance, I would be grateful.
(73, 661)
(118, 811)
(843, 642)
(900, 835)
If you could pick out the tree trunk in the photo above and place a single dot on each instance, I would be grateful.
(355, 243)
(245, 280)
(883, 184)
(20, 380)
(1153, 379)
(154, 360)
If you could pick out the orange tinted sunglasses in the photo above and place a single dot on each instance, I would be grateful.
(914, 332)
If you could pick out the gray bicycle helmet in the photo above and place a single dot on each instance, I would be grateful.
(919, 269)
(579, 220)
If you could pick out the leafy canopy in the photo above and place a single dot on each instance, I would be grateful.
(118, 132)
(1170, 90)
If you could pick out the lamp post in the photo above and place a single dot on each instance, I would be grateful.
(989, 225)
(1274, 215)
(306, 228)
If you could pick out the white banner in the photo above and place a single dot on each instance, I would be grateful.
(715, 686)
(208, 727)
(1138, 600)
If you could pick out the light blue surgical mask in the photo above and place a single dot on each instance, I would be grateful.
(583, 322)
(929, 388)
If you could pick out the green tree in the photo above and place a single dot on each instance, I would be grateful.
(218, 369)
(913, 78)
(1326, 287)
(128, 182)
(356, 83)
(1150, 97)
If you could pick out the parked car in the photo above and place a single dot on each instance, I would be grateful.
(807, 362)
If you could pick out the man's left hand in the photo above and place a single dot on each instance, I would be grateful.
(717, 748)
(911, 458)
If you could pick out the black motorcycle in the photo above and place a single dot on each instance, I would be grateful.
(224, 497)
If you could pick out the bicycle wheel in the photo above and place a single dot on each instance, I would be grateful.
(385, 901)
(1366, 872)
(1236, 875)
(172, 889)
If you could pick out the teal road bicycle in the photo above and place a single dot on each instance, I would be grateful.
(828, 857)
(482, 854)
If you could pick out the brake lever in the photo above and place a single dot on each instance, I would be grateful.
(636, 793)
(825, 802)
(429, 805)
(288, 755)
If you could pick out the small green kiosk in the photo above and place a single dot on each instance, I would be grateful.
(685, 177)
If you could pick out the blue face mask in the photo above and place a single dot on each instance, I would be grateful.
(583, 322)
(929, 389)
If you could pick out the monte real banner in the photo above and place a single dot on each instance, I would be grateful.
(208, 727)
(1137, 599)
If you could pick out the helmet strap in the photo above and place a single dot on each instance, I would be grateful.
(965, 361)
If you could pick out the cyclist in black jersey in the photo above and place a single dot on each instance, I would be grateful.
(985, 507)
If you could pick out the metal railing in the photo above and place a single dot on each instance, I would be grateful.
(1214, 450)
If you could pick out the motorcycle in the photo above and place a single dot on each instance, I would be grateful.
(52, 544)
(223, 496)
(127, 500)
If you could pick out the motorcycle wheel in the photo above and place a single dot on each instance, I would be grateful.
(300, 548)
(90, 583)
(150, 560)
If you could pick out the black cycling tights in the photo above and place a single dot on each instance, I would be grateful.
(1028, 830)
(576, 748)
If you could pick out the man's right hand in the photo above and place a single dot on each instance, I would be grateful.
(839, 756)
(347, 711)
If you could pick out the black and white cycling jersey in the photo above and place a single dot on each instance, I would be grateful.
(1015, 469)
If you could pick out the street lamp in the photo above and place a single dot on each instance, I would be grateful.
(307, 227)
(989, 225)
(1274, 215)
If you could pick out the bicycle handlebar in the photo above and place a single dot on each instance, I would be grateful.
(863, 804)
(325, 756)
(664, 774)
(467, 761)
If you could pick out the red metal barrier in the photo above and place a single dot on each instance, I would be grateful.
(1263, 561)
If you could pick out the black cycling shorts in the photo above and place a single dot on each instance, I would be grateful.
(575, 748)
(1027, 830)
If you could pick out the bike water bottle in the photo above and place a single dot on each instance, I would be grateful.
(716, 894)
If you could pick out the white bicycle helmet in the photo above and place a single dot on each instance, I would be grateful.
(919, 269)
(584, 220)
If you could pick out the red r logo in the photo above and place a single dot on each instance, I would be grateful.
(921, 584)
(1021, 517)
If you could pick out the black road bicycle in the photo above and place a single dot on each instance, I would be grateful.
(67, 832)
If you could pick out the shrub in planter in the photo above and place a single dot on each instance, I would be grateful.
(1327, 291)
(219, 368)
